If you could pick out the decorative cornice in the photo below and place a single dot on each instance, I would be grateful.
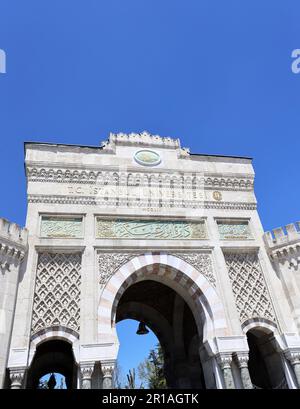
(144, 139)
(95, 201)
(42, 174)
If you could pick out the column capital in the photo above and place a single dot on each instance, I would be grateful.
(224, 359)
(242, 359)
(86, 369)
(107, 369)
(16, 377)
(293, 356)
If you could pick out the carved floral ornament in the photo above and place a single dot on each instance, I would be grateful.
(110, 262)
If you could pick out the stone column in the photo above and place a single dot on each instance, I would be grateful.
(294, 358)
(107, 371)
(242, 359)
(16, 377)
(224, 360)
(86, 370)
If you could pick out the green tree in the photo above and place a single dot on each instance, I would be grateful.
(151, 371)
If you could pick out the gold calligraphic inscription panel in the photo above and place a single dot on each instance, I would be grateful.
(150, 229)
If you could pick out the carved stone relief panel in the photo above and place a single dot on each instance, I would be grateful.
(57, 291)
(234, 230)
(110, 262)
(66, 227)
(150, 229)
(249, 286)
(201, 262)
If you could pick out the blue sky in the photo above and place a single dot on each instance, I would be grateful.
(216, 74)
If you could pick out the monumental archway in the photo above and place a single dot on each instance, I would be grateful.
(139, 212)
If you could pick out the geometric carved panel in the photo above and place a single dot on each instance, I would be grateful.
(234, 230)
(249, 287)
(150, 229)
(61, 227)
(57, 291)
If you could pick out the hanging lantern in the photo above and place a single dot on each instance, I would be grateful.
(142, 329)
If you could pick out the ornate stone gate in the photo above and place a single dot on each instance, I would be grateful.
(109, 228)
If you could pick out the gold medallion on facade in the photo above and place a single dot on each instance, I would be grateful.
(217, 195)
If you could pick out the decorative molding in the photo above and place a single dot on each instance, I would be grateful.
(57, 291)
(66, 227)
(131, 203)
(230, 205)
(201, 262)
(144, 139)
(234, 230)
(109, 263)
(150, 229)
(138, 178)
(248, 286)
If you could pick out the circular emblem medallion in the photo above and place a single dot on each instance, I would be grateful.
(147, 157)
(217, 196)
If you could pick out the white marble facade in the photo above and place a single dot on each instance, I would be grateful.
(141, 207)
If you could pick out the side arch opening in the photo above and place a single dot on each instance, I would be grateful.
(53, 357)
